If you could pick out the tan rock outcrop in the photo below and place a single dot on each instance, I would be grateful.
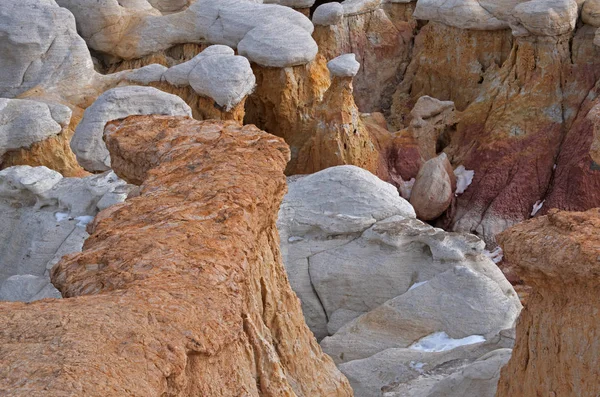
(285, 101)
(179, 291)
(454, 75)
(340, 137)
(381, 36)
(433, 190)
(556, 351)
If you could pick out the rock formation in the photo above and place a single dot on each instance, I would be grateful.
(43, 217)
(118, 103)
(557, 344)
(374, 281)
(179, 291)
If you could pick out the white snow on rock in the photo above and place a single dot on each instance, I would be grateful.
(440, 341)
(537, 207)
(464, 178)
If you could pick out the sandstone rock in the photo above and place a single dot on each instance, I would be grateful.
(208, 316)
(434, 71)
(556, 347)
(339, 136)
(433, 192)
(382, 42)
(118, 103)
(590, 13)
(44, 217)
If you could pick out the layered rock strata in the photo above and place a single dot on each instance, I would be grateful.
(557, 346)
(179, 291)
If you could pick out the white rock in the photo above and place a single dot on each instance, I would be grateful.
(328, 14)
(464, 14)
(118, 103)
(40, 48)
(344, 66)
(27, 288)
(278, 45)
(326, 210)
(461, 302)
(24, 122)
(38, 213)
(144, 30)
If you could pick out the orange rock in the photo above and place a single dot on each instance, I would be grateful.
(340, 136)
(179, 291)
(557, 345)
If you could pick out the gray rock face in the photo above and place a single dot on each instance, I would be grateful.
(43, 56)
(43, 217)
(477, 379)
(344, 66)
(118, 103)
(24, 122)
(373, 280)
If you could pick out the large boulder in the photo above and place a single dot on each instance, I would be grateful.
(387, 292)
(433, 190)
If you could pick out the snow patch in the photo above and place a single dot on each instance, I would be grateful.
(405, 188)
(440, 341)
(295, 238)
(417, 285)
(464, 178)
(417, 366)
(496, 255)
(61, 216)
(537, 206)
(84, 220)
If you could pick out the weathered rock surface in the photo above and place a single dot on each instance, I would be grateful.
(143, 31)
(44, 217)
(556, 349)
(36, 133)
(339, 136)
(179, 291)
(118, 103)
(372, 280)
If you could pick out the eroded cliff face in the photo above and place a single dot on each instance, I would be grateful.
(557, 345)
(180, 290)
